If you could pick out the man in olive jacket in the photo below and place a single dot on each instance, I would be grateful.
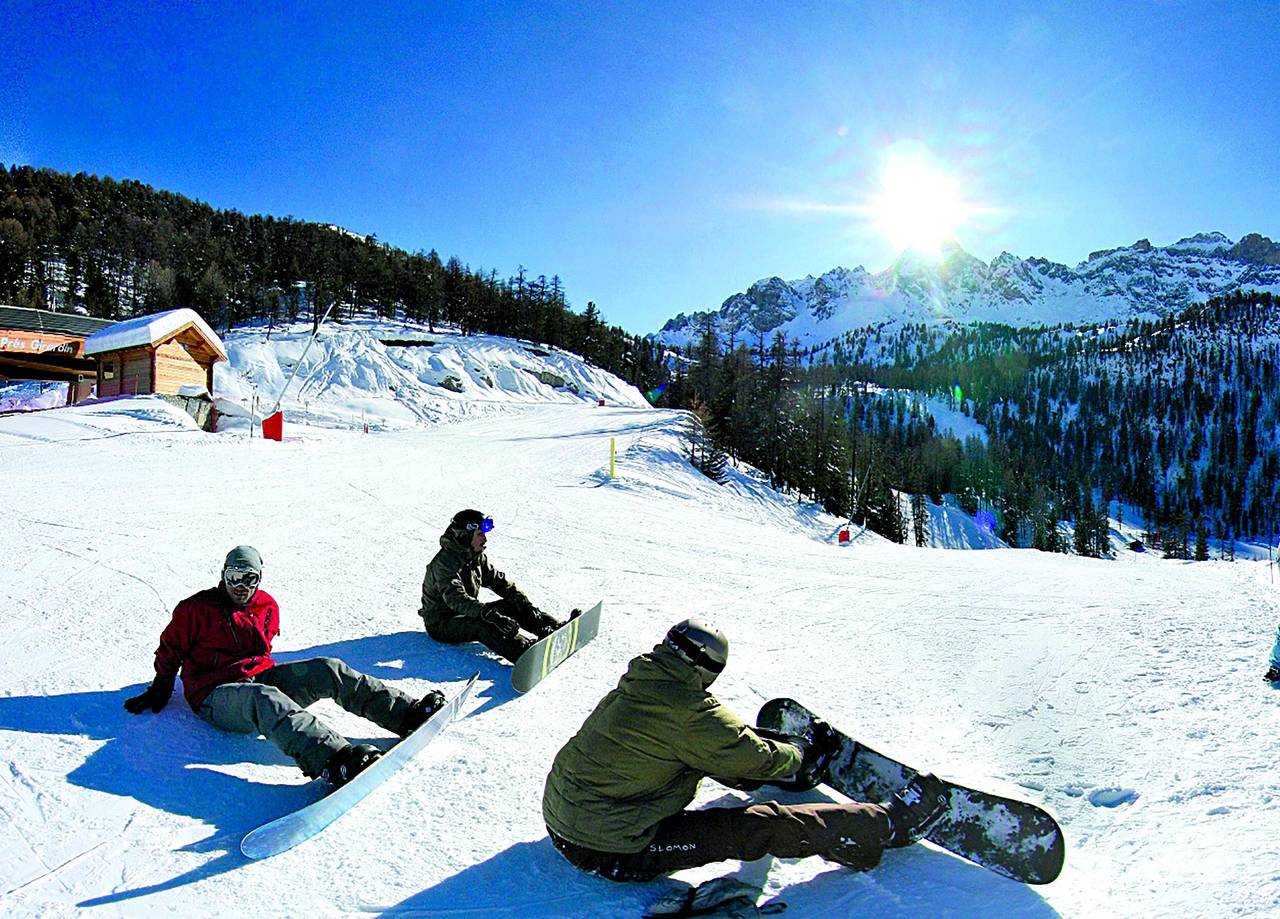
(451, 610)
(615, 799)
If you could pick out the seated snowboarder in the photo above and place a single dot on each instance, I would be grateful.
(615, 799)
(451, 610)
(221, 639)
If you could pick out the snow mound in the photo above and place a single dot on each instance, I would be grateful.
(397, 375)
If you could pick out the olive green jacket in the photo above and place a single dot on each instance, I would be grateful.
(638, 758)
(453, 581)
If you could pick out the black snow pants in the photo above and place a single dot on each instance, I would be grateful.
(467, 628)
(851, 834)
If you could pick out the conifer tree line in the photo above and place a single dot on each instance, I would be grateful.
(117, 249)
(1177, 418)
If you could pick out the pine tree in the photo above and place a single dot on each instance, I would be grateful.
(701, 448)
(1085, 541)
(1202, 543)
(919, 518)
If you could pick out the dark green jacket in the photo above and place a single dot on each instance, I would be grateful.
(453, 581)
(639, 757)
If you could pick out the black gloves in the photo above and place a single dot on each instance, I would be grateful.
(155, 698)
(817, 746)
(495, 615)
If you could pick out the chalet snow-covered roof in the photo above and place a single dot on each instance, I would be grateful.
(149, 330)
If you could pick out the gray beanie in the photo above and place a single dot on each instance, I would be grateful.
(243, 557)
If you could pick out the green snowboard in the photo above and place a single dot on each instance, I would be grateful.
(546, 654)
(1012, 838)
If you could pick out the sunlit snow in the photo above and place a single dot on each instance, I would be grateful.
(1123, 695)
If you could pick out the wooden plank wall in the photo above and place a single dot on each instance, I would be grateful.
(135, 375)
(176, 368)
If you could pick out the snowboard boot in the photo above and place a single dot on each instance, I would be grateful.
(510, 647)
(915, 809)
(1273, 675)
(349, 762)
(544, 624)
(421, 710)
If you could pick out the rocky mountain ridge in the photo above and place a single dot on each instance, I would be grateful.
(1136, 280)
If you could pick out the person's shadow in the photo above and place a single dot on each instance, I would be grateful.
(532, 880)
(169, 761)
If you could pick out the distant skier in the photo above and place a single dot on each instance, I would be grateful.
(221, 639)
(451, 610)
(615, 799)
(1273, 671)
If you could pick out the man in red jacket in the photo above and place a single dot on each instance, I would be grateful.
(221, 638)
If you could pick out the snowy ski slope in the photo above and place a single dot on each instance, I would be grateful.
(1124, 695)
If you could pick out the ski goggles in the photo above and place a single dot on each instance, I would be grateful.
(241, 577)
(484, 526)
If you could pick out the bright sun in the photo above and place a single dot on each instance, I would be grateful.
(919, 205)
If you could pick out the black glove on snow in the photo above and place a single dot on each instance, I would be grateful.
(494, 614)
(155, 698)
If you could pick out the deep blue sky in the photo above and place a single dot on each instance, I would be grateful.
(662, 156)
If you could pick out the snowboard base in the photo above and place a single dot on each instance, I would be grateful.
(546, 654)
(286, 832)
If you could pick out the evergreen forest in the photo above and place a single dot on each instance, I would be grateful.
(1176, 418)
(116, 249)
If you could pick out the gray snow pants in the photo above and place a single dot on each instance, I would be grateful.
(274, 703)
(851, 834)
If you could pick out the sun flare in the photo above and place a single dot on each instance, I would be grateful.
(919, 205)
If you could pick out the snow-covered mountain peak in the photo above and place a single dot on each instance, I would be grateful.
(1203, 243)
(1140, 279)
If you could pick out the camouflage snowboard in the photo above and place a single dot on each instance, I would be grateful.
(1012, 838)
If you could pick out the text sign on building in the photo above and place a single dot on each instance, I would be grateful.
(40, 343)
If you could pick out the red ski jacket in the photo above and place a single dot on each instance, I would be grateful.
(214, 643)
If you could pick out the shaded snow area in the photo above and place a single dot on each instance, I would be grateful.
(1124, 696)
(952, 421)
(32, 395)
(396, 375)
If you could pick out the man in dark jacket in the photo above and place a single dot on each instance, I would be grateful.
(221, 638)
(451, 609)
(615, 799)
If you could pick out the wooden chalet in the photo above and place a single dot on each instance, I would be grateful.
(169, 353)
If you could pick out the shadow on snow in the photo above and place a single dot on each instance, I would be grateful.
(169, 761)
(919, 881)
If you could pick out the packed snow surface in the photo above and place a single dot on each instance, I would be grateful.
(1123, 695)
